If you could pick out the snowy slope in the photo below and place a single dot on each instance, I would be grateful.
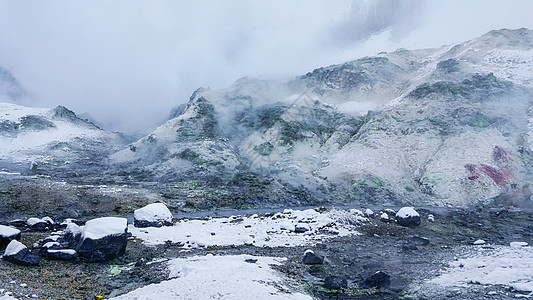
(44, 136)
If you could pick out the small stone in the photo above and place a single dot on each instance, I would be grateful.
(431, 218)
(250, 260)
(301, 227)
(310, 258)
(479, 242)
(335, 283)
(369, 213)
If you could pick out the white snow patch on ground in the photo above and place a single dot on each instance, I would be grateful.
(13, 248)
(277, 230)
(102, 227)
(509, 266)
(7, 231)
(219, 277)
(7, 297)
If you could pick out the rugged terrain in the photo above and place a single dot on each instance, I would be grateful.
(411, 256)
(447, 127)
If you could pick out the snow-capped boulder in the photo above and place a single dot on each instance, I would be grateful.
(407, 216)
(72, 235)
(310, 258)
(384, 217)
(7, 234)
(61, 254)
(36, 224)
(103, 239)
(369, 213)
(54, 250)
(153, 215)
(19, 254)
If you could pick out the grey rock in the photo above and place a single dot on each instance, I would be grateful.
(335, 282)
(24, 258)
(379, 279)
(310, 258)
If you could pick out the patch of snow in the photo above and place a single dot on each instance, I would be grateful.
(219, 277)
(510, 64)
(48, 220)
(357, 107)
(479, 242)
(67, 251)
(14, 247)
(406, 212)
(509, 266)
(33, 221)
(153, 212)
(7, 297)
(101, 227)
(274, 231)
(6, 231)
(9, 173)
(518, 244)
(74, 229)
(53, 237)
(50, 244)
(369, 212)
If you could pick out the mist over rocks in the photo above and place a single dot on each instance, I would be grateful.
(431, 127)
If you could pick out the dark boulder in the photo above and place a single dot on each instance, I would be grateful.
(19, 254)
(408, 217)
(103, 239)
(36, 224)
(7, 234)
(301, 228)
(378, 280)
(57, 252)
(335, 282)
(310, 258)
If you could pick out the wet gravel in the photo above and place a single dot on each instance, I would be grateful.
(410, 256)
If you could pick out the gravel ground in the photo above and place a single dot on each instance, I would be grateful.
(386, 247)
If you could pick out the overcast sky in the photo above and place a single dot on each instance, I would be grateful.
(127, 63)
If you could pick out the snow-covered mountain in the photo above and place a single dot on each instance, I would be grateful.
(451, 126)
(447, 126)
(52, 141)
